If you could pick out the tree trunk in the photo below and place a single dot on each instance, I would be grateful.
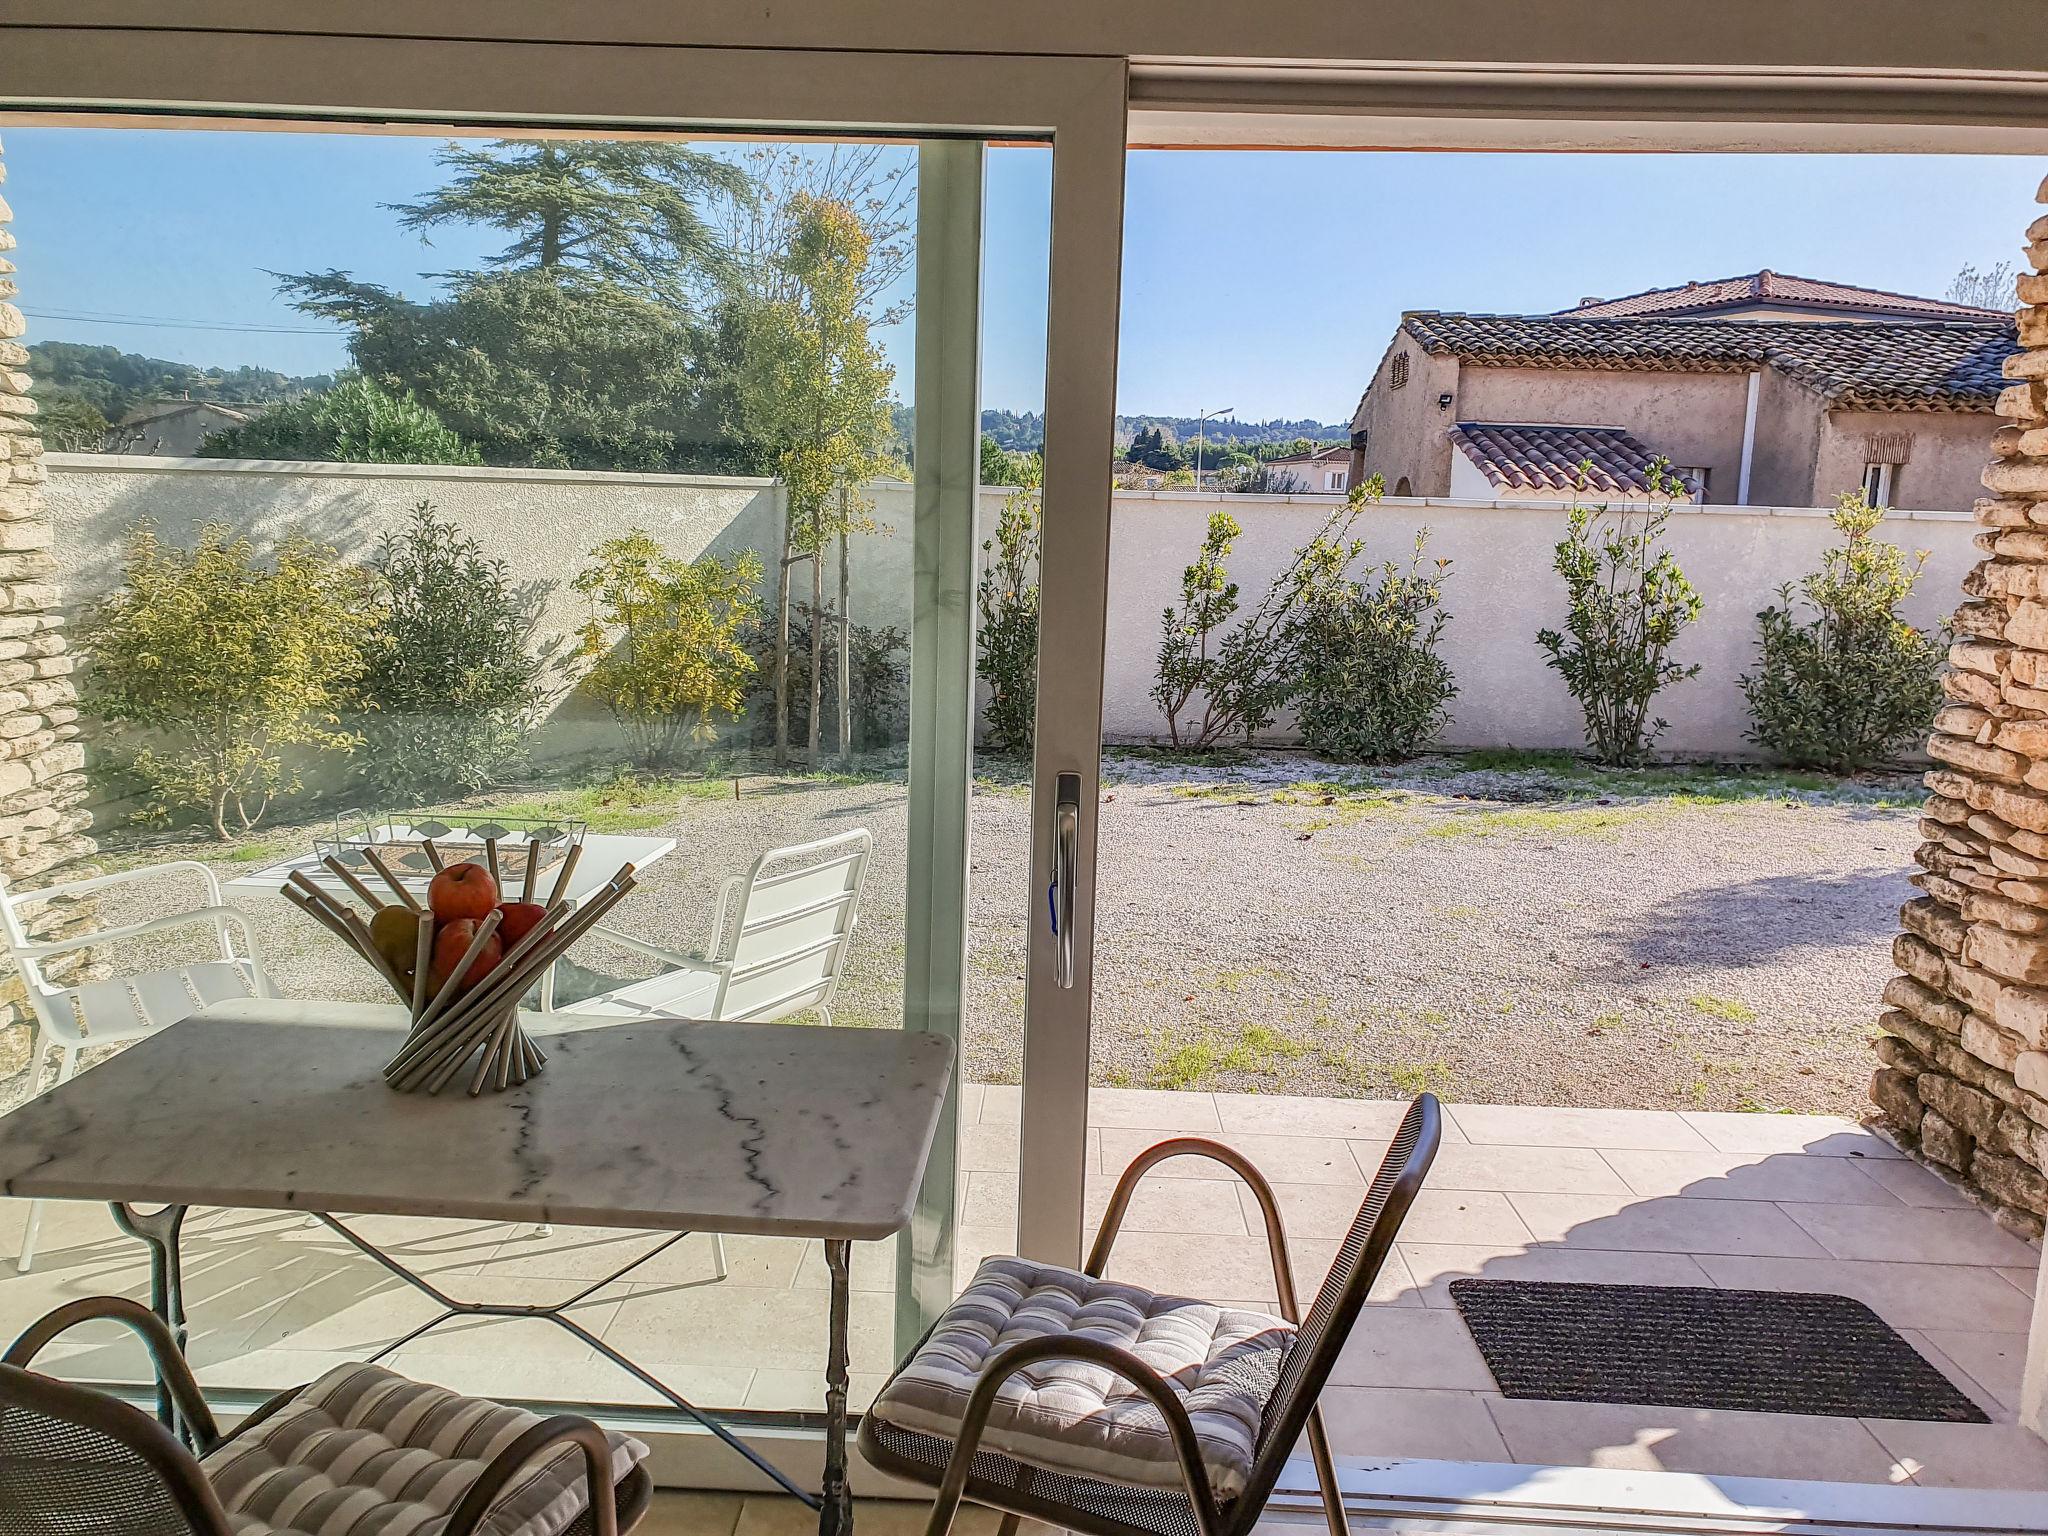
(817, 719)
(845, 642)
(782, 643)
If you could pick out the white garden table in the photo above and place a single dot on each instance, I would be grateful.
(656, 1126)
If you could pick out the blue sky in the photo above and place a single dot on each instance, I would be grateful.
(1265, 282)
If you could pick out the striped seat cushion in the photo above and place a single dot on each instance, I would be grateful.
(364, 1452)
(1077, 1417)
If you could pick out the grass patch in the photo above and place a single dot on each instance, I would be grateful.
(622, 804)
(1546, 821)
(1730, 1008)
(1699, 783)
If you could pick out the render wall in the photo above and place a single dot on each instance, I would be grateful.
(1404, 427)
(1945, 462)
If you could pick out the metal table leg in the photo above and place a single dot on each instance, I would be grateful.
(835, 1512)
(159, 1230)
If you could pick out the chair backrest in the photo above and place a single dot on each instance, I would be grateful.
(74, 1462)
(1342, 1297)
(794, 926)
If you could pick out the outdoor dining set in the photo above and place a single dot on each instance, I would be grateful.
(1041, 1391)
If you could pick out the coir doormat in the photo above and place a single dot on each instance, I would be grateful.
(1692, 1347)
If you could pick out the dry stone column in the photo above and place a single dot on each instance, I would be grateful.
(42, 765)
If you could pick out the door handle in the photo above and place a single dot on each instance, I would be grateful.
(1066, 855)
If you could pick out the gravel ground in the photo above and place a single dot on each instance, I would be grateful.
(1520, 933)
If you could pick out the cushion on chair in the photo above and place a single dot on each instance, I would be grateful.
(1077, 1417)
(365, 1451)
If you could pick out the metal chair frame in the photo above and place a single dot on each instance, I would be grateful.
(1338, 1302)
(184, 1480)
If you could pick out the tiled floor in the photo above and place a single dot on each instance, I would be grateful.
(1747, 1201)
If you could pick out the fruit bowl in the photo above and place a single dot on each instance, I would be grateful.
(461, 961)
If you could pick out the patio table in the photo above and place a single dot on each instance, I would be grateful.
(660, 1126)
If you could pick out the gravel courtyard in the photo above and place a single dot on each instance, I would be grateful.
(1508, 930)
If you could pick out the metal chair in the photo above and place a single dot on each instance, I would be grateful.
(75, 1462)
(1296, 1356)
(69, 1020)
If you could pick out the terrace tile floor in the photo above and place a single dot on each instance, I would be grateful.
(1810, 1203)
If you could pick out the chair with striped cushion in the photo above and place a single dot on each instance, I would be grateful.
(361, 1450)
(1112, 1410)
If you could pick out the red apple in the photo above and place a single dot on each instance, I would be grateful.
(516, 919)
(451, 943)
(462, 891)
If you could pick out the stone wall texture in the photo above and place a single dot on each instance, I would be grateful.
(43, 821)
(1964, 1056)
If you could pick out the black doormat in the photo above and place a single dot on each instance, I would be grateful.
(1693, 1347)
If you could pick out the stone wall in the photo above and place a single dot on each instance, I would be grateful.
(42, 778)
(1964, 1074)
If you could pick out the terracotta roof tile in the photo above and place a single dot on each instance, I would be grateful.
(1525, 456)
(1895, 365)
(1767, 286)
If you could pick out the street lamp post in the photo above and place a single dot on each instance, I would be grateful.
(1201, 421)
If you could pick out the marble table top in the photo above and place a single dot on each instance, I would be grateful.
(784, 1129)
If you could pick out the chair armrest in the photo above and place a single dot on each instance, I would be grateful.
(1200, 1146)
(681, 962)
(127, 877)
(171, 1368)
(1008, 1362)
(548, 1435)
(185, 919)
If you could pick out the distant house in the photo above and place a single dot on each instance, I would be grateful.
(1766, 390)
(1323, 470)
(173, 428)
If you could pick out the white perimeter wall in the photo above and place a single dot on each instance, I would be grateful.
(1502, 589)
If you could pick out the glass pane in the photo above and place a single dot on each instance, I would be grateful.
(500, 489)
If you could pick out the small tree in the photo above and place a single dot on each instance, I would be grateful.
(448, 699)
(664, 642)
(1242, 676)
(353, 423)
(1006, 659)
(229, 663)
(1847, 688)
(1628, 602)
(68, 424)
(1372, 686)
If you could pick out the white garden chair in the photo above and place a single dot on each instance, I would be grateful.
(95, 1014)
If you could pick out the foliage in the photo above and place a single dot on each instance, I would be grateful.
(876, 183)
(68, 424)
(446, 702)
(1628, 602)
(1847, 688)
(1991, 288)
(1004, 466)
(356, 422)
(228, 663)
(1372, 687)
(663, 641)
(879, 682)
(622, 212)
(1263, 479)
(1006, 655)
(114, 382)
(1242, 676)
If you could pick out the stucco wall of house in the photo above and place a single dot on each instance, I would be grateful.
(1502, 590)
(1404, 427)
(1943, 470)
(1788, 428)
(1691, 418)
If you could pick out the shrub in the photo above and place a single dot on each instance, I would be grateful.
(1006, 658)
(229, 663)
(663, 641)
(447, 700)
(353, 423)
(1628, 602)
(880, 681)
(1847, 688)
(68, 424)
(1242, 676)
(1372, 686)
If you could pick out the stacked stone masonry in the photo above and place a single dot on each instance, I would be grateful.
(43, 820)
(1964, 1056)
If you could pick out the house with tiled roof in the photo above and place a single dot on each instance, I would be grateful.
(1763, 390)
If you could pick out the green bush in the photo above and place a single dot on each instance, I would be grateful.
(1629, 602)
(663, 641)
(880, 688)
(447, 701)
(353, 423)
(228, 663)
(1845, 689)
(1006, 657)
(1372, 686)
